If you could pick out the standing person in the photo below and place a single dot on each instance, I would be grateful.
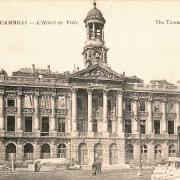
(94, 168)
(100, 166)
(35, 167)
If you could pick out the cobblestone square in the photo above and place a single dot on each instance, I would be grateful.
(125, 174)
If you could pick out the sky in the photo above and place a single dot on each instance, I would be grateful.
(137, 44)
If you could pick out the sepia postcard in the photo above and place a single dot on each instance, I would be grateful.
(89, 89)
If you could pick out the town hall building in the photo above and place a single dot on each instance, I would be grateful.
(90, 114)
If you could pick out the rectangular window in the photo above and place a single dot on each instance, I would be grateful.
(61, 124)
(28, 124)
(10, 123)
(109, 105)
(128, 105)
(61, 102)
(142, 106)
(45, 124)
(128, 126)
(109, 125)
(170, 127)
(95, 125)
(80, 103)
(156, 126)
(143, 126)
(80, 125)
(11, 103)
(95, 103)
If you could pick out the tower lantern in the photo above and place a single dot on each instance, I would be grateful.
(95, 51)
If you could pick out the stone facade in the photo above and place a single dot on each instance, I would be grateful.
(91, 114)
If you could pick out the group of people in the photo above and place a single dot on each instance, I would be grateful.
(96, 167)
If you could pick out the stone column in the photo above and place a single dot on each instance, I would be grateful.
(53, 149)
(36, 115)
(135, 110)
(177, 123)
(68, 98)
(19, 152)
(2, 123)
(19, 114)
(105, 123)
(149, 120)
(90, 133)
(120, 114)
(2, 151)
(74, 111)
(53, 115)
(164, 122)
(37, 151)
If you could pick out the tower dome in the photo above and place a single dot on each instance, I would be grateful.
(95, 14)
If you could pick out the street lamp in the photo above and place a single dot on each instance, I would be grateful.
(140, 157)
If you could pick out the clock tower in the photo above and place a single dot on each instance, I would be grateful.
(95, 51)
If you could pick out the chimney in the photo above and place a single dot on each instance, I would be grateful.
(33, 68)
(49, 70)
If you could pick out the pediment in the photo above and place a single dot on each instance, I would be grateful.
(97, 72)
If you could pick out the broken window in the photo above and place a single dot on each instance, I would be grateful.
(157, 126)
(61, 124)
(128, 105)
(10, 123)
(28, 124)
(142, 106)
(95, 125)
(143, 126)
(128, 126)
(171, 127)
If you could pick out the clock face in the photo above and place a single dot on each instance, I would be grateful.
(97, 54)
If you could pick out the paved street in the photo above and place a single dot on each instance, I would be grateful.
(77, 175)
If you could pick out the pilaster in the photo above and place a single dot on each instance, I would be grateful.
(135, 110)
(19, 114)
(36, 114)
(105, 123)
(164, 121)
(74, 111)
(90, 133)
(53, 115)
(149, 120)
(120, 114)
(2, 123)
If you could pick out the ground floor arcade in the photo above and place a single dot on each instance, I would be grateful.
(110, 152)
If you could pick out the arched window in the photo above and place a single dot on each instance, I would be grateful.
(83, 154)
(158, 152)
(98, 152)
(113, 154)
(144, 151)
(62, 151)
(28, 152)
(45, 151)
(10, 151)
(129, 152)
(172, 150)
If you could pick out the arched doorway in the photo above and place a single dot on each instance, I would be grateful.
(98, 152)
(45, 151)
(129, 153)
(61, 151)
(83, 154)
(158, 152)
(28, 152)
(144, 151)
(113, 154)
(10, 152)
(172, 150)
